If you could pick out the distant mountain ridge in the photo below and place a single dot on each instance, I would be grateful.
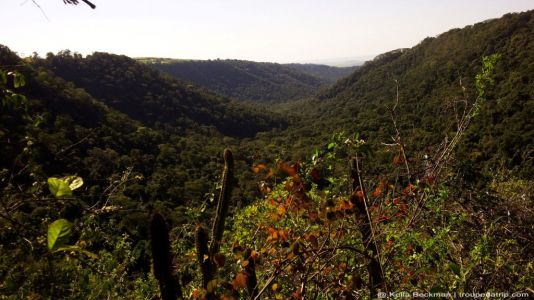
(247, 80)
(327, 73)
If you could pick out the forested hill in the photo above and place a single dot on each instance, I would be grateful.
(109, 114)
(243, 80)
(430, 78)
(328, 73)
(154, 98)
(92, 149)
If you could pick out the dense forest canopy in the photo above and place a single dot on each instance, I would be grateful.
(247, 80)
(412, 173)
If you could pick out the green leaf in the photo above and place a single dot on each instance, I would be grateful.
(3, 77)
(18, 80)
(59, 233)
(58, 187)
(454, 268)
(74, 182)
(76, 249)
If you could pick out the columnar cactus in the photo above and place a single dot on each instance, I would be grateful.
(201, 243)
(223, 203)
(163, 271)
(169, 286)
(250, 269)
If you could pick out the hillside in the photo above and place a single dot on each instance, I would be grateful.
(142, 123)
(155, 98)
(413, 173)
(327, 73)
(139, 140)
(243, 80)
(430, 77)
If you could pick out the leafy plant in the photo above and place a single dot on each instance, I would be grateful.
(59, 233)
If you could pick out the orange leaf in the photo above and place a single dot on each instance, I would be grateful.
(389, 245)
(240, 280)
(403, 207)
(291, 171)
(383, 218)
(273, 234)
(258, 168)
(397, 160)
(378, 191)
(270, 174)
(296, 295)
(345, 205)
(409, 189)
(283, 234)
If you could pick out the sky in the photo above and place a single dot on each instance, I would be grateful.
(259, 30)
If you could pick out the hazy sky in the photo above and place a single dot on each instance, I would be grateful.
(260, 30)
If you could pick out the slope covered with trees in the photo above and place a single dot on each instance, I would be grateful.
(109, 172)
(154, 98)
(158, 153)
(327, 73)
(243, 80)
(436, 83)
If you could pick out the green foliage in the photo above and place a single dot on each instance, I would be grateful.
(436, 81)
(11, 100)
(327, 73)
(243, 80)
(59, 233)
(484, 79)
(59, 188)
(209, 259)
(64, 186)
(144, 142)
(123, 84)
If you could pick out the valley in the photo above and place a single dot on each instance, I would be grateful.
(430, 145)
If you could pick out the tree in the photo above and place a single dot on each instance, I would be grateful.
(75, 2)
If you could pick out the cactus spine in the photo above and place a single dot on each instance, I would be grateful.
(169, 287)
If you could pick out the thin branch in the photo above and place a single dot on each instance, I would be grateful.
(397, 139)
(75, 2)
(40, 8)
